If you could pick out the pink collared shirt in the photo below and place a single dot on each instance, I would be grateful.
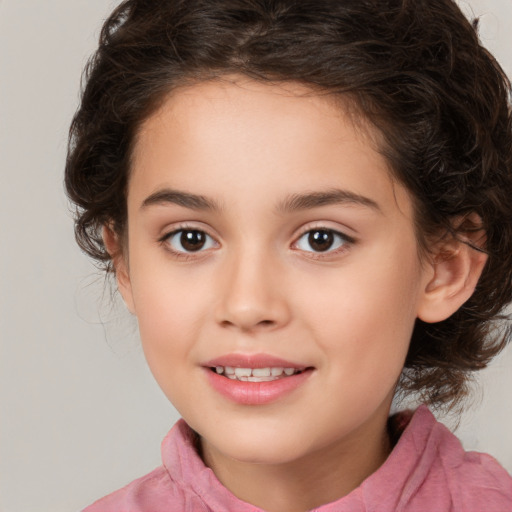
(427, 471)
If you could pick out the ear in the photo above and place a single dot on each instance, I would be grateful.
(457, 264)
(119, 260)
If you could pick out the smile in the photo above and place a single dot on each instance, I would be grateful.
(255, 374)
(256, 379)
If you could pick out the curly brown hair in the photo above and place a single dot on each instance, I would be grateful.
(415, 69)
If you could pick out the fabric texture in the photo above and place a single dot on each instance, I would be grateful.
(428, 470)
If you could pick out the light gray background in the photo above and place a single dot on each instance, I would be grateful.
(80, 415)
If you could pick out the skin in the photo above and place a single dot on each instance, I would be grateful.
(258, 286)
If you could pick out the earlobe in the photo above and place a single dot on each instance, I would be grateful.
(457, 266)
(113, 246)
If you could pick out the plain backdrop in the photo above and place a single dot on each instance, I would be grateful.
(80, 414)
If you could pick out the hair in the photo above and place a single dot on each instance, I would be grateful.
(416, 71)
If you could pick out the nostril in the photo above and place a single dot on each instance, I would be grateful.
(262, 323)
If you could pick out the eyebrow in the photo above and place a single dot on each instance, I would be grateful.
(296, 202)
(185, 199)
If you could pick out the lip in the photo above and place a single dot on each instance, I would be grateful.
(255, 393)
(252, 361)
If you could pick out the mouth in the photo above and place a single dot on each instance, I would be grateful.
(256, 379)
(267, 374)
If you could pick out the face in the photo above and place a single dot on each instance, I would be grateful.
(266, 239)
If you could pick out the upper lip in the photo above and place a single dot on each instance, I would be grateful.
(253, 361)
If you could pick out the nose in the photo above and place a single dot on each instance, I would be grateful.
(252, 294)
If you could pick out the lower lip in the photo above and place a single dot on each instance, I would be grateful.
(256, 393)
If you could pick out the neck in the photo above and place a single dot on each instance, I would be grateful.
(303, 484)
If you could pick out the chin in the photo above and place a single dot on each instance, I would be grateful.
(256, 447)
(264, 455)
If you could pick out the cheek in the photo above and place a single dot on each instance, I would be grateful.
(365, 314)
(168, 327)
(169, 308)
(373, 292)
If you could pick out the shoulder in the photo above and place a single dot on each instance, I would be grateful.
(171, 486)
(153, 492)
(476, 480)
(473, 481)
(429, 470)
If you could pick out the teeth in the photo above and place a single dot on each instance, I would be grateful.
(261, 372)
(260, 379)
(243, 372)
(255, 374)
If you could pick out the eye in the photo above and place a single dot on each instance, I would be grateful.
(322, 240)
(189, 240)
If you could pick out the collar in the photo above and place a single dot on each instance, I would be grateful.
(397, 479)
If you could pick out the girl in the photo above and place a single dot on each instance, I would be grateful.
(306, 205)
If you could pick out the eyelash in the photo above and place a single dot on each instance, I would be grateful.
(344, 242)
(182, 255)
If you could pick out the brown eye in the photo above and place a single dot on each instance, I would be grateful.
(322, 240)
(189, 240)
(192, 240)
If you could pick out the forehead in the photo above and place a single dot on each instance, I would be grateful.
(227, 135)
(244, 103)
